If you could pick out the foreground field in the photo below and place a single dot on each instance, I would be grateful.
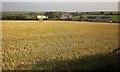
(59, 45)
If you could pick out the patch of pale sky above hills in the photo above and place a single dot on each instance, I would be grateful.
(59, 5)
(60, 0)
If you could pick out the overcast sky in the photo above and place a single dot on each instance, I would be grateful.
(59, 6)
(60, 0)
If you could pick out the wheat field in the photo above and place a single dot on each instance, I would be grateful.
(59, 45)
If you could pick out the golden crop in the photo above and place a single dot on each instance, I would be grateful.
(50, 45)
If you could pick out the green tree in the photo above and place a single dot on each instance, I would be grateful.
(53, 15)
(81, 17)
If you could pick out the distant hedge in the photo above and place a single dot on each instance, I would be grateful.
(13, 17)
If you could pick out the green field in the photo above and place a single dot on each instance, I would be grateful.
(59, 45)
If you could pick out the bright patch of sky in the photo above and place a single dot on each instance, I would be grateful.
(60, 5)
(60, 0)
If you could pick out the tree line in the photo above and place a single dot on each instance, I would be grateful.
(52, 15)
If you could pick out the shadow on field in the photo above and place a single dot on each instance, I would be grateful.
(95, 62)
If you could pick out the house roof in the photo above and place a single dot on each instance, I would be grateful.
(66, 14)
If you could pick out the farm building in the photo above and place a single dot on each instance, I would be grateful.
(99, 18)
(42, 17)
(66, 15)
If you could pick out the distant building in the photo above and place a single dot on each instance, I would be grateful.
(99, 18)
(42, 17)
(66, 15)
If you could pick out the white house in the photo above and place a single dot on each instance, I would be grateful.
(42, 17)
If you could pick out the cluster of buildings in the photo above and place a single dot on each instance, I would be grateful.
(99, 18)
(64, 15)
(91, 18)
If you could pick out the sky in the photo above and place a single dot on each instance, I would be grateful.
(47, 5)
(60, 0)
